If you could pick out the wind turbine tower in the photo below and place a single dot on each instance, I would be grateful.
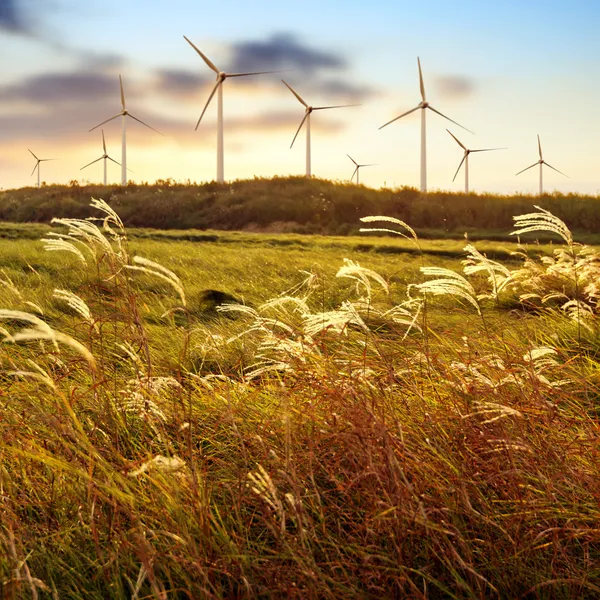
(37, 166)
(357, 170)
(104, 157)
(124, 114)
(423, 105)
(306, 119)
(465, 159)
(221, 77)
(541, 162)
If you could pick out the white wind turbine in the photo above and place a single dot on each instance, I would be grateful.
(541, 162)
(221, 77)
(124, 114)
(465, 159)
(105, 156)
(423, 105)
(37, 166)
(307, 111)
(356, 171)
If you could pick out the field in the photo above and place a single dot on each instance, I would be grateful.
(207, 414)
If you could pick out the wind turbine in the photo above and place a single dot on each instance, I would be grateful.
(307, 111)
(423, 105)
(124, 114)
(465, 159)
(541, 162)
(37, 165)
(105, 156)
(221, 77)
(356, 171)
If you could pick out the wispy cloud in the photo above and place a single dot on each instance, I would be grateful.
(455, 86)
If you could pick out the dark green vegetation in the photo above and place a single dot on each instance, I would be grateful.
(298, 205)
(349, 436)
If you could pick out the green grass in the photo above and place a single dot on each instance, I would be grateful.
(369, 458)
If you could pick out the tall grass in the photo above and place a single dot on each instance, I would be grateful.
(320, 449)
(297, 205)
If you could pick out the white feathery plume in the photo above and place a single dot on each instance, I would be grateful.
(58, 244)
(449, 283)
(361, 275)
(498, 275)
(76, 303)
(542, 221)
(373, 219)
(157, 270)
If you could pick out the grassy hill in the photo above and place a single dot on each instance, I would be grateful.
(297, 205)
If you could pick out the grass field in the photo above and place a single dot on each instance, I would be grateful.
(372, 427)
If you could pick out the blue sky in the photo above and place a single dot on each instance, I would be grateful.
(507, 70)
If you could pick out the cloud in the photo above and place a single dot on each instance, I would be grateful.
(11, 17)
(181, 83)
(454, 86)
(62, 88)
(282, 51)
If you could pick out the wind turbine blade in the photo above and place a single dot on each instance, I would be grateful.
(117, 163)
(421, 80)
(352, 160)
(402, 115)
(122, 92)
(295, 94)
(369, 165)
(32, 154)
(142, 122)
(448, 118)
(300, 127)
(531, 167)
(460, 165)
(457, 140)
(220, 82)
(545, 163)
(338, 106)
(540, 147)
(204, 58)
(488, 149)
(37, 164)
(253, 73)
(94, 161)
(104, 122)
(103, 141)
(353, 174)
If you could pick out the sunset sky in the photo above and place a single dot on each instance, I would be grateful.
(507, 70)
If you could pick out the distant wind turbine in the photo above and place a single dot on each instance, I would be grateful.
(37, 166)
(105, 156)
(423, 105)
(221, 77)
(124, 114)
(465, 159)
(307, 111)
(541, 162)
(357, 170)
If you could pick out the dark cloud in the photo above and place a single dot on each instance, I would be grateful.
(454, 86)
(282, 51)
(11, 17)
(59, 88)
(181, 83)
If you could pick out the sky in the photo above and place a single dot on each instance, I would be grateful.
(507, 70)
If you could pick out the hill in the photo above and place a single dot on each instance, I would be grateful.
(296, 205)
